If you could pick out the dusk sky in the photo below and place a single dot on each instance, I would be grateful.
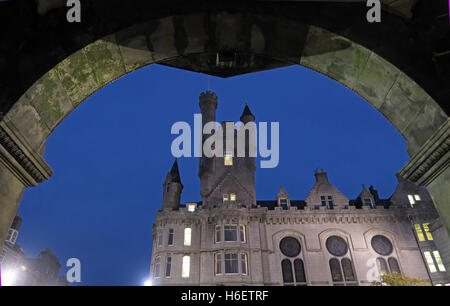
(111, 155)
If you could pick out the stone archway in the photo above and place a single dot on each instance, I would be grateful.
(227, 39)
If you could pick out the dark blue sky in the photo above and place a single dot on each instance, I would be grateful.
(111, 155)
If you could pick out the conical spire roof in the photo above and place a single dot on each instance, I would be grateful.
(247, 112)
(175, 173)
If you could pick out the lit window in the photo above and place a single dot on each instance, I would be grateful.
(191, 207)
(218, 233)
(230, 233)
(225, 197)
(439, 262)
(233, 197)
(242, 233)
(411, 199)
(244, 264)
(170, 239)
(419, 232)
(160, 239)
(187, 236)
(218, 264)
(430, 262)
(156, 267)
(426, 228)
(228, 159)
(417, 197)
(231, 263)
(168, 266)
(186, 266)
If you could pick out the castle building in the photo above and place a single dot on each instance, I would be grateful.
(18, 270)
(231, 238)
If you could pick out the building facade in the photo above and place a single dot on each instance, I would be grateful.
(231, 238)
(18, 270)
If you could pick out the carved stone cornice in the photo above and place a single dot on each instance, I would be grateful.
(29, 167)
(431, 160)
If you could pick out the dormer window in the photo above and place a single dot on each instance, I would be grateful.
(330, 202)
(413, 198)
(191, 207)
(368, 202)
(233, 197)
(322, 199)
(228, 159)
(283, 202)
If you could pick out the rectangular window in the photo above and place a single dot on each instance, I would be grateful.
(191, 207)
(225, 197)
(330, 202)
(156, 267)
(231, 263)
(426, 228)
(170, 239)
(419, 232)
(430, 262)
(242, 233)
(228, 159)
(185, 266)
(233, 197)
(244, 264)
(411, 199)
(187, 236)
(168, 266)
(160, 239)
(230, 232)
(218, 233)
(368, 202)
(417, 197)
(439, 262)
(322, 199)
(218, 264)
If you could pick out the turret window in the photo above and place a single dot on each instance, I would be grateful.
(425, 234)
(225, 197)
(187, 236)
(439, 262)
(426, 228)
(228, 159)
(233, 197)
(170, 238)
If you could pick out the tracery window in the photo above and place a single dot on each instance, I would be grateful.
(342, 270)
(292, 266)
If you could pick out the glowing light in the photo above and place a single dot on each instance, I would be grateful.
(148, 283)
(8, 278)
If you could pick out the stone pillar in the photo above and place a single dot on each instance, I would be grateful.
(20, 167)
(430, 167)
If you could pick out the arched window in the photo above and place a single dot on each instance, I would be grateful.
(299, 271)
(286, 269)
(393, 265)
(382, 266)
(347, 267)
(335, 268)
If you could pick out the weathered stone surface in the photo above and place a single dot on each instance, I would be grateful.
(376, 80)
(430, 118)
(403, 102)
(163, 40)
(135, 53)
(77, 77)
(27, 120)
(105, 59)
(343, 61)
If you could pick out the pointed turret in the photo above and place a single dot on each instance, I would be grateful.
(172, 188)
(247, 115)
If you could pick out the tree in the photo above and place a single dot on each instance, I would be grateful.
(397, 279)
